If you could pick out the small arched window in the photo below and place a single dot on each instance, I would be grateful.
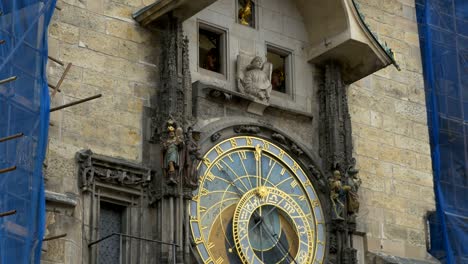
(246, 13)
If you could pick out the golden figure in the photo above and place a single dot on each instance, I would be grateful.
(245, 13)
(337, 195)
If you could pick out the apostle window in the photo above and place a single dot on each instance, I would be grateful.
(246, 12)
(280, 77)
(211, 49)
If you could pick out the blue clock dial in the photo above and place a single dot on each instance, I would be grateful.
(255, 205)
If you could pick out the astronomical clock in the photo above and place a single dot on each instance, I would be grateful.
(255, 204)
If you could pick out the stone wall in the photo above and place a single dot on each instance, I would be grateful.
(390, 137)
(111, 55)
(114, 56)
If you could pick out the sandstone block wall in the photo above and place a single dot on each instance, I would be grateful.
(111, 55)
(390, 136)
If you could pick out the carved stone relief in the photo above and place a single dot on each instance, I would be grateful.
(109, 170)
(254, 77)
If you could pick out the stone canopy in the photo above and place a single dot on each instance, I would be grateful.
(337, 32)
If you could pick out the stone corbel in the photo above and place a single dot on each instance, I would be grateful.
(182, 9)
(338, 32)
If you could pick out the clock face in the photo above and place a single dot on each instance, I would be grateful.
(255, 204)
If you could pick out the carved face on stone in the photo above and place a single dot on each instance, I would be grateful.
(257, 62)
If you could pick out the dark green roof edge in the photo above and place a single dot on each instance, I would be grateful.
(384, 45)
(144, 9)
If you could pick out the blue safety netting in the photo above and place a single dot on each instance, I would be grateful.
(24, 108)
(443, 31)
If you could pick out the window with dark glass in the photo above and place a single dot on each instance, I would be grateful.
(246, 12)
(280, 73)
(111, 221)
(211, 49)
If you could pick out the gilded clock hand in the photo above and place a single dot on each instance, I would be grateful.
(258, 158)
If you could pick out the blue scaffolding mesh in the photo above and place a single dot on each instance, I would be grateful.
(443, 31)
(24, 108)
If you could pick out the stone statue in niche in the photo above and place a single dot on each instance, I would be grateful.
(192, 155)
(254, 78)
(353, 181)
(172, 151)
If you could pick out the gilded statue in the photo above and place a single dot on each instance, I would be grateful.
(255, 78)
(172, 147)
(337, 195)
(245, 13)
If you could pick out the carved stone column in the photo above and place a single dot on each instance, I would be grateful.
(336, 151)
(169, 122)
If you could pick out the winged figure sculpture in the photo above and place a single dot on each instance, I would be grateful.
(254, 78)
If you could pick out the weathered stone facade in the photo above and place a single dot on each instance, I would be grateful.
(113, 55)
(391, 141)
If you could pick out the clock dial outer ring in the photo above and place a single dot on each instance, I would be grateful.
(249, 142)
(246, 208)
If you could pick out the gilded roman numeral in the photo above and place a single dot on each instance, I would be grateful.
(295, 167)
(249, 141)
(281, 154)
(293, 184)
(219, 150)
(210, 176)
(243, 155)
(233, 142)
(266, 145)
(207, 162)
(315, 203)
(219, 166)
(203, 191)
